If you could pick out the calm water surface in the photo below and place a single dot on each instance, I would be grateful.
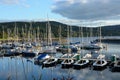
(19, 68)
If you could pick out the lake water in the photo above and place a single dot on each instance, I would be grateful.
(20, 68)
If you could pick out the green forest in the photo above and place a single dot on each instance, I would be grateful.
(34, 29)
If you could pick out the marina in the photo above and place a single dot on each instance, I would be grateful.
(15, 66)
(60, 40)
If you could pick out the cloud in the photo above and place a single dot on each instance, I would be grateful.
(87, 9)
(25, 5)
(10, 2)
(15, 2)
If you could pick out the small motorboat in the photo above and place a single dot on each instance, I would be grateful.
(41, 58)
(99, 64)
(82, 63)
(67, 63)
(116, 66)
(50, 62)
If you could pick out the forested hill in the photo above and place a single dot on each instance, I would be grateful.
(87, 31)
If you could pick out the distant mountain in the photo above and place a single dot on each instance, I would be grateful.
(87, 31)
(113, 30)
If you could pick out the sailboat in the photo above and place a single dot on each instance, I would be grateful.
(49, 48)
(52, 60)
(7, 45)
(60, 48)
(73, 46)
(93, 44)
(100, 63)
(84, 61)
(29, 51)
(68, 62)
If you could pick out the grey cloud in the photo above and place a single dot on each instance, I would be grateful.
(87, 9)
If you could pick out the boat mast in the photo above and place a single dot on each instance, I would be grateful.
(68, 40)
(8, 32)
(17, 34)
(71, 33)
(30, 32)
(23, 34)
(82, 39)
(100, 34)
(38, 29)
(34, 35)
(31, 35)
(91, 35)
(49, 34)
(46, 36)
(87, 35)
(60, 35)
(79, 35)
(3, 32)
(82, 35)
(26, 32)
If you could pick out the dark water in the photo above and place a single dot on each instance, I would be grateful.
(19, 68)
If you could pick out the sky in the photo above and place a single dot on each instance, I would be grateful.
(73, 12)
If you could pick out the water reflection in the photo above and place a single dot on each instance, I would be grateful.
(20, 68)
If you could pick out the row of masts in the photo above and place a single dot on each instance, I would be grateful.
(29, 33)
